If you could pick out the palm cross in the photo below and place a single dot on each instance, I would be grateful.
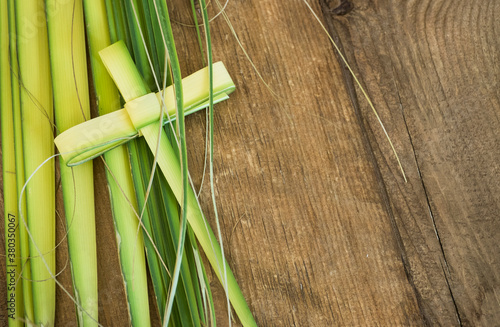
(141, 117)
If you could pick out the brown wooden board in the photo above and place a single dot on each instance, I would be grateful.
(432, 69)
(318, 224)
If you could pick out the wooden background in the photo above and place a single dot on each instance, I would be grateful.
(321, 227)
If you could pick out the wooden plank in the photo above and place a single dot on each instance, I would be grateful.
(310, 238)
(431, 68)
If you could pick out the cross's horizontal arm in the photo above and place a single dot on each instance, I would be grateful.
(98, 135)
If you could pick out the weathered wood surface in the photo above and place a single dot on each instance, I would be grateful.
(320, 227)
(432, 68)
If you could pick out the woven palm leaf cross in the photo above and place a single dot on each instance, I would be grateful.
(141, 117)
(142, 109)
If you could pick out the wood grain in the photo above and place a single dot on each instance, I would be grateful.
(318, 225)
(310, 245)
(432, 69)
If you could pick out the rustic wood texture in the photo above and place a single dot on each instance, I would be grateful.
(432, 69)
(318, 224)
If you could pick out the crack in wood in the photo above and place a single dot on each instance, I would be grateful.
(452, 298)
(446, 272)
(350, 87)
